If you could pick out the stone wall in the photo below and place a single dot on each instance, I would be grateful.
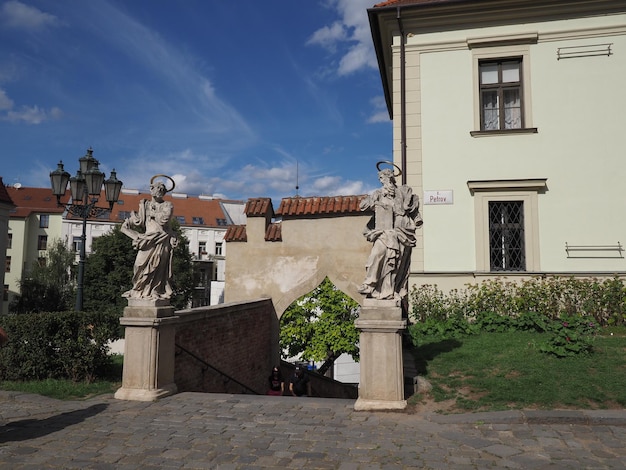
(239, 339)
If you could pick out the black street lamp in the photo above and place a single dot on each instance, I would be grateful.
(85, 189)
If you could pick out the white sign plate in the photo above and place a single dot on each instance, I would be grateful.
(438, 197)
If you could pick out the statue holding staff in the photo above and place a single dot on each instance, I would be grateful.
(154, 240)
(392, 232)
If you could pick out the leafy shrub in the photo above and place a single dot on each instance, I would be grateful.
(571, 335)
(603, 302)
(65, 345)
(570, 309)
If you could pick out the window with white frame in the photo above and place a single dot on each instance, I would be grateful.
(502, 92)
(501, 99)
(42, 242)
(76, 243)
(507, 224)
(219, 249)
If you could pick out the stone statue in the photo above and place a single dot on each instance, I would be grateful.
(392, 232)
(154, 240)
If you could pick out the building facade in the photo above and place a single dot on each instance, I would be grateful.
(507, 120)
(36, 221)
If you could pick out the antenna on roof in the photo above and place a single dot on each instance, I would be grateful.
(17, 185)
(297, 186)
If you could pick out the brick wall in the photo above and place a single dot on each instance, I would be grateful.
(238, 339)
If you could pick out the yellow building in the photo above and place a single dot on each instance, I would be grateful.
(507, 119)
(34, 223)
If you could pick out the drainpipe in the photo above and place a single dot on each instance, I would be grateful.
(402, 97)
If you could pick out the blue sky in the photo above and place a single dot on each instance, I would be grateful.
(237, 99)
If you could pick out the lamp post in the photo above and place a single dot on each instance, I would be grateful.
(85, 190)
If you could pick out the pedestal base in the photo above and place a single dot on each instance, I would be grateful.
(380, 341)
(140, 394)
(378, 405)
(149, 350)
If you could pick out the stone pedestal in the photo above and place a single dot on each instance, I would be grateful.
(382, 376)
(149, 350)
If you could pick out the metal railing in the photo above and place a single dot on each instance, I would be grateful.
(209, 366)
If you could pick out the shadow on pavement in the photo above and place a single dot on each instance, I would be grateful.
(32, 428)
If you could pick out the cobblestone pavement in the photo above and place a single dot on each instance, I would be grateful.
(218, 431)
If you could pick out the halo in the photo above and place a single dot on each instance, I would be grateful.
(389, 163)
(164, 176)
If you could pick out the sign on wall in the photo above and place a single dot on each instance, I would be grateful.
(438, 197)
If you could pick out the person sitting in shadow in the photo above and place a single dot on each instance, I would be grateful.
(300, 385)
(277, 384)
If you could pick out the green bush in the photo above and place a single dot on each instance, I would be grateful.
(603, 302)
(64, 345)
(569, 309)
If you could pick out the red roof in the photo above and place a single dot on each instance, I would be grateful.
(32, 200)
(259, 207)
(329, 205)
(236, 233)
(189, 210)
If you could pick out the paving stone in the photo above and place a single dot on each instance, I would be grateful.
(218, 431)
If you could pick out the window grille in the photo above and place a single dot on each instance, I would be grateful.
(506, 236)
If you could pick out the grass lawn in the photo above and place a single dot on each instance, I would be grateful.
(501, 371)
(68, 390)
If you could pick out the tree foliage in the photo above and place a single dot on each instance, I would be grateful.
(108, 272)
(183, 270)
(319, 326)
(49, 286)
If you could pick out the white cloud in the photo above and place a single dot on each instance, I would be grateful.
(328, 36)
(18, 15)
(380, 113)
(5, 101)
(32, 115)
(350, 36)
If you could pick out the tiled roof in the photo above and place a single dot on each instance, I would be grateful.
(32, 200)
(329, 205)
(4, 195)
(236, 233)
(259, 207)
(274, 232)
(190, 211)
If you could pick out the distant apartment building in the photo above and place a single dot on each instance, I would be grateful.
(36, 221)
(6, 205)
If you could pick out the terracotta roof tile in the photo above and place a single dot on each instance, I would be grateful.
(259, 207)
(311, 206)
(236, 233)
(274, 233)
(190, 211)
(32, 200)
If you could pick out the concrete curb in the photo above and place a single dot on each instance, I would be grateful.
(580, 417)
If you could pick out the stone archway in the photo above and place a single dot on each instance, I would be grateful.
(317, 238)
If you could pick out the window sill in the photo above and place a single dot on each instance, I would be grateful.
(527, 130)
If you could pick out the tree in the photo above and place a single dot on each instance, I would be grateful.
(183, 270)
(319, 326)
(109, 271)
(47, 286)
